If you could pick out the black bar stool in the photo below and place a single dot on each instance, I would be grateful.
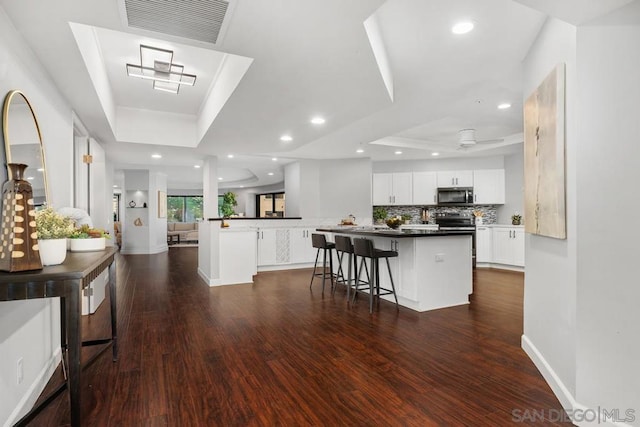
(320, 241)
(364, 248)
(344, 246)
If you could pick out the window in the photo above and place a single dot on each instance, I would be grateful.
(184, 208)
(270, 205)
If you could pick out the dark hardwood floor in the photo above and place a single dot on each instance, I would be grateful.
(273, 353)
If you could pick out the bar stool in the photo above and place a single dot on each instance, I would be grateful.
(319, 241)
(344, 246)
(364, 248)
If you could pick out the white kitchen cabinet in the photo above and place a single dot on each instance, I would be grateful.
(488, 187)
(273, 246)
(508, 245)
(455, 179)
(425, 188)
(302, 251)
(484, 244)
(403, 289)
(392, 189)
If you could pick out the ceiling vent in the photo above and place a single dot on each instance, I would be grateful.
(192, 19)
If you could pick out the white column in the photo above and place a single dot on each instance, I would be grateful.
(210, 187)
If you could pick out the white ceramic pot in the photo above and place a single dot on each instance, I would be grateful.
(52, 251)
(87, 245)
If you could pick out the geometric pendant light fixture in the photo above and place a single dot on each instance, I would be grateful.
(157, 65)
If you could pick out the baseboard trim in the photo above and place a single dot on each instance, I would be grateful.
(583, 415)
(35, 389)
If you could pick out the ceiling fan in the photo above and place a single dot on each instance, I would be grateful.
(467, 139)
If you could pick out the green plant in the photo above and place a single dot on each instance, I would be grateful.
(516, 218)
(406, 217)
(86, 232)
(379, 214)
(228, 202)
(51, 225)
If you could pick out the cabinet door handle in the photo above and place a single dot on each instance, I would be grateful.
(262, 234)
(434, 198)
(475, 198)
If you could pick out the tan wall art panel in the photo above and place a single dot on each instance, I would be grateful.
(544, 158)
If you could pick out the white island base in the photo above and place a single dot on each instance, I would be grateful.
(430, 272)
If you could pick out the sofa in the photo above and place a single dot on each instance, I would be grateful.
(182, 232)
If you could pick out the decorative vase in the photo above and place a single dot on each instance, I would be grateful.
(87, 245)
(19, 250)
(53, 251)
(515, 222)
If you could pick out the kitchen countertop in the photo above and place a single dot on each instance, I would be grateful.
(388, 232)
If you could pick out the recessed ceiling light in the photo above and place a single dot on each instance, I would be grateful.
(196, 166)
(219, 178)
(359, 150)
(462, 27)
(40, 169)
(115, 186)
(230, 156)
(30, 178)
(156, 156)
(504, 106)
(274, 159)
(398, 152)
(286, 138)
(435, 154)
(242, 186)
(270, 174)
(317, 120)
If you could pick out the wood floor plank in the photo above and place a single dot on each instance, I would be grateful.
(272, 353)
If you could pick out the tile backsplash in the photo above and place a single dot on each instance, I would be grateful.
(490, 212)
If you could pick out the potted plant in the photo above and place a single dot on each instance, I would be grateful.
(379, 214)
(85, 239)
(228, 202)
(53, 230)
(406, 218)
(516, 219)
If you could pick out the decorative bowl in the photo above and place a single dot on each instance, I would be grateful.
(394, 222)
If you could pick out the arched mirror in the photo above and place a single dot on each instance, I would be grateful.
(23, 143)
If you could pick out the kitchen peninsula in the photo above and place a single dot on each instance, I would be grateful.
(433, 268)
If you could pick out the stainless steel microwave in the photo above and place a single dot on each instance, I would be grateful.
(455, 196)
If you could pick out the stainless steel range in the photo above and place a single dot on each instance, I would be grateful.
(459, 221)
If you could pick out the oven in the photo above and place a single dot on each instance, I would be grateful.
(463, 221)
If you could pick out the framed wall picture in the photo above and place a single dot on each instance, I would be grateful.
(162, 204)
(544, 159)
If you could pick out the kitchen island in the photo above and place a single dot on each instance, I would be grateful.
(433, 268)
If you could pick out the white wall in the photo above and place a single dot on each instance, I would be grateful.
(514, 186)
(608, 319)
(550, 264)
(30, 329)
(491, 162)
(328, 189)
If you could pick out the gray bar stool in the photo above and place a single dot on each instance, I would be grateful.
(319, 241)
(344, 246)
(364, 248)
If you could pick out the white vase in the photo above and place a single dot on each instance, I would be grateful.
(52, 251)
(87, 245)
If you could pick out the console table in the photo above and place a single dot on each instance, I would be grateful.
(66, 281)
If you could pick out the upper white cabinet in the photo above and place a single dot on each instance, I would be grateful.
(488, 186)
(425, 188)
(455, 179)
(392, 188)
